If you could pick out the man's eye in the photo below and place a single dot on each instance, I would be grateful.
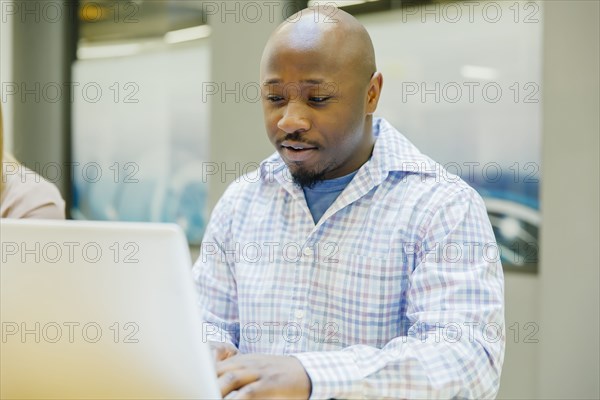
(319, 99)
(273, 98)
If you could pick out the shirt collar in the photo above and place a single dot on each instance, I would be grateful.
(394, 152)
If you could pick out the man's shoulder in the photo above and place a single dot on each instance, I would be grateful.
(415, 174)
(430, 187)
(258, 181)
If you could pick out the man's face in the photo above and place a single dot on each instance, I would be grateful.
(315, 112)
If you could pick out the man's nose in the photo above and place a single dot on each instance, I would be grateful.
(294, 119)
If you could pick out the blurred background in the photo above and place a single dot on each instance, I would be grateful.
(145, 110)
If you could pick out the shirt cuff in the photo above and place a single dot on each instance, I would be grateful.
(333, 374)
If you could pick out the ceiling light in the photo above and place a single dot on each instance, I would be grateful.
(187, 34)
(477, 72)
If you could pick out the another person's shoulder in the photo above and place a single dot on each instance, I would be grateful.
(25, 194)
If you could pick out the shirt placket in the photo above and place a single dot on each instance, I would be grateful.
(295, 331)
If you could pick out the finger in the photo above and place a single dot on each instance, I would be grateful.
(230, 364)
(254, 390)
(234, 380)
(223, 353)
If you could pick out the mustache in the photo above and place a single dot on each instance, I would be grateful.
(297, 137)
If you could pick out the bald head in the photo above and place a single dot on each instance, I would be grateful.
(328, 35)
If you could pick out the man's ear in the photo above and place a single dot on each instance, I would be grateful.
(374, 91)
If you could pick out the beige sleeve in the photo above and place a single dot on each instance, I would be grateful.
(28, 195)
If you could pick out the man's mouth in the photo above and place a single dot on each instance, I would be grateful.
(297, 146)
(297, 151)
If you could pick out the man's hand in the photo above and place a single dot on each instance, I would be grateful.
(222, 351)
(261, 376)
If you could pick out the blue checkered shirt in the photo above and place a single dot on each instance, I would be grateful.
(396, 292)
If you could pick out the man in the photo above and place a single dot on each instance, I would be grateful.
(354, 266)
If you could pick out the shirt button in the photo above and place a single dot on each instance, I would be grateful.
(307, 251)
(299, 314)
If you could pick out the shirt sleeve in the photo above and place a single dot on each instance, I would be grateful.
(455, 344)
(27, 195)
(214, 278)
(55, 210)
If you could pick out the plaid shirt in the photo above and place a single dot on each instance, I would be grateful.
(396, 292)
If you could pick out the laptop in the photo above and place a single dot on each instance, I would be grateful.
(100, 310)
